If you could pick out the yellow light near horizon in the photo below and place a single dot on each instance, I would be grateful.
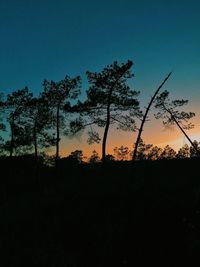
(154, 133)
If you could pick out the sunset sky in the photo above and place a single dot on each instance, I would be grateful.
(45, 39)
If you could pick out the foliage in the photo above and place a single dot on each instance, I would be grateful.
(154, 153)
(184, 152)
(168, 153)
(109, 158)
(110, 101)
(2, 110)
(193, 152)
(39, 119)
(170, 114)
(15, 107)
(36, 123)
(58, 96)
(121, 153)
(94, 158)
(143, 150)
(76, 156)
(169, 111)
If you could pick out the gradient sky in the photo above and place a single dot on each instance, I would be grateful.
(49, 39)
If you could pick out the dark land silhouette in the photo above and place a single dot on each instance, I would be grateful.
(118, 214)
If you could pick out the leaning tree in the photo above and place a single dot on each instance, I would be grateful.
(145, 117)
(110, 100)
(168, 111)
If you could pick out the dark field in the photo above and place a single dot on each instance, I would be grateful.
(89, 215)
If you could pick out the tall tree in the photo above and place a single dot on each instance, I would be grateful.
(15, 106)
(38, 120)
(145, 117)
(170, 114)
(110, 100)
(58, 95)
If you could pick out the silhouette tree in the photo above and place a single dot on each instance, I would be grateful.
(121, 153)
(145, 117)
(109, 158)
(109, 101)
(142, 150)
(2, 125)
(154, 153)
(15, 106)
(184, 151)
(168, 111)
(193, 151)
(2, 146)
(94, 158)
(23, 142)
(76, 156)
(38, 120)
(168, 153)
(2, 110)
(58, 95)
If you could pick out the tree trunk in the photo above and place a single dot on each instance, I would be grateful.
(12, 138)
(57, 133)
(145, 117)
(108, 117)
(105, 134)
(35, 143)
(182, 130)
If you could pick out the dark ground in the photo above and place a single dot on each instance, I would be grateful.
(86, 215)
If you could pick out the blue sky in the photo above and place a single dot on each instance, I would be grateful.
(49, 39)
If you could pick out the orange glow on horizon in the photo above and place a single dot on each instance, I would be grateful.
(174, 138)
(154, 133)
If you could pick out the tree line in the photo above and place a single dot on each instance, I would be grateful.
(36, 123)
(144, 152)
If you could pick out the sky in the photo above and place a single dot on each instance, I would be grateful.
(49, 39)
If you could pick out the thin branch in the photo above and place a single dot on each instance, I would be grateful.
(118, 121)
